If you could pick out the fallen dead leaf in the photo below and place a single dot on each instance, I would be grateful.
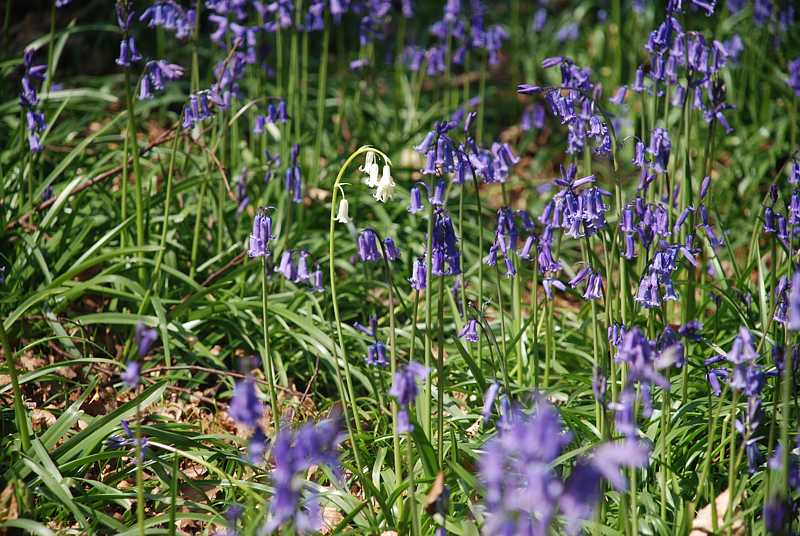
(41, 418)
(703, 522)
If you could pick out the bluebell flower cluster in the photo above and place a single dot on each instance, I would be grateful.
(128, 53)
(169, 15)
(247, 410)
(275, 115)
(376, 351)
(466, 29)
(29, 99)
(294, 503)
(299, 270)
(577, 210)
(445, 255)
(645, 359)
(294, 177)
(574, 104)
(155, 74)
(685, 61)
(524, 492)
(261, 235)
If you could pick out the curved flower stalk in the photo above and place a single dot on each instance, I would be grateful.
(338, 187)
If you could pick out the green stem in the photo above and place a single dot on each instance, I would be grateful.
(426, 415)
(139, 475)
(441, 385)
(50, 49)
(269, 370)
(19, 404)
(412, 488)
(134, 148)
(398, 461)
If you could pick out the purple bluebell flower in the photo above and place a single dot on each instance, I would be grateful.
(470, 331)
(391, 249)
(128, 439)
(294, 178)
(294, 503)
(415, 203)
(197, 109)
(438, 198)
(131, 375)
(418, 277)
(599, 386)
(317, 280)
(777, 515)
(261, 236)
(404, 389)
(155, 74)
(794, 76)
(128, 54)
(286, 267)
(794, 303)
(660, 147)
(171, 16)
(370, 331)
(522, 489)
(145, 337)
(368, 249)
(376, 355)
(245, 407)
(446, 258)
(488, 400)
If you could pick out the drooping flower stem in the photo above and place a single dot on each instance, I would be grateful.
(441, 378)
(427, 406)
(332, 272)
(133, 146)
(19, 404)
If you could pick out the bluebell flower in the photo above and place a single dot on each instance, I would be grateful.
(145, 337)
(169, 15)
(405, 390)
(391, 249)
(245, 407)
(415, 204)
(155, 74)
(470, 331)
(368, 249)
(418, 277)
(130, 377)
(128, 54)
(376, 355)
(489, 398)
(261, 236)
(294, 502)
(129, 440)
